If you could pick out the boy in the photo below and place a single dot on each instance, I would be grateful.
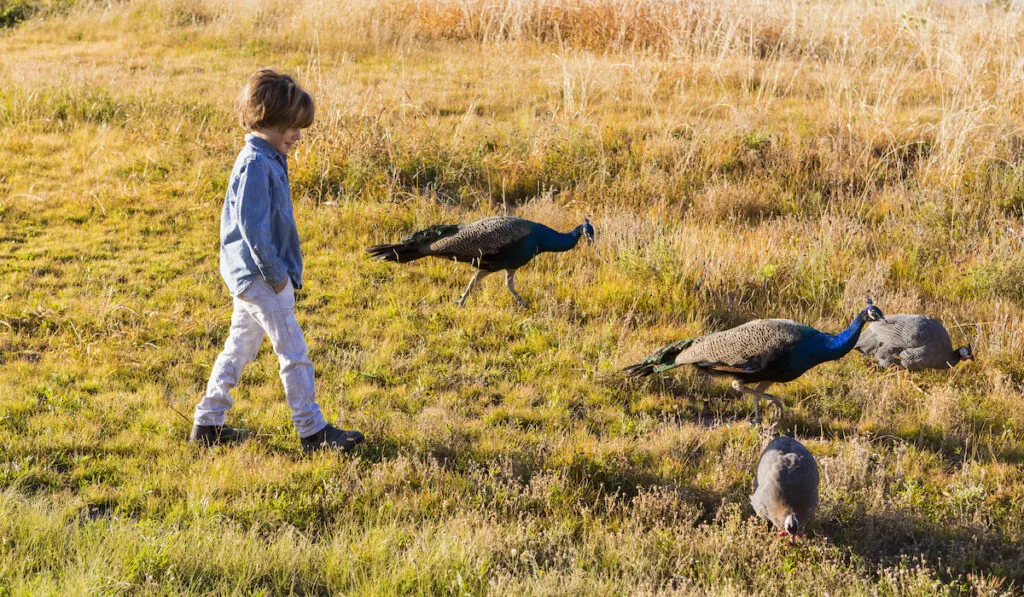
(261, 263)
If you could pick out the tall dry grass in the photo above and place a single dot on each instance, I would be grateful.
(905, 89)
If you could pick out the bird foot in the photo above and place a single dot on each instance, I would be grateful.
(769, 432)
(765, 430)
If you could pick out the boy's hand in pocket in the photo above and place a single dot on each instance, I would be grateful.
(280, 287)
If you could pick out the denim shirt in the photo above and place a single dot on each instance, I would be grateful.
(258, 237)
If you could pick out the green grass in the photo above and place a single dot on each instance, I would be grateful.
(505, 454)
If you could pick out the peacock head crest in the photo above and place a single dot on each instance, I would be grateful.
(587, 229)
(872, 313)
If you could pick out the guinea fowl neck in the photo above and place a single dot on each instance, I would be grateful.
(838, 345)
(556, 242)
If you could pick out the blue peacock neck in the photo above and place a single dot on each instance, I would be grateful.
(836, 346)
(552, 241)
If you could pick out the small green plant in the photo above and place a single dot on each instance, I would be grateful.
(13, 12)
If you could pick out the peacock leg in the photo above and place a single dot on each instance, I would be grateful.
(510, 283)
(742, 389)
(479, 275)
(758, 393)
(762, 388)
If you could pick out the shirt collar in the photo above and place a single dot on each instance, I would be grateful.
(261, 146)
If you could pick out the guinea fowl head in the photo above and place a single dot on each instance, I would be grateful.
(965, 353)
(792, 525)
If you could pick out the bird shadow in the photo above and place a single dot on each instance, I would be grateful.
(703, 402)
(944, 445)
(711, 404)
(956, 551)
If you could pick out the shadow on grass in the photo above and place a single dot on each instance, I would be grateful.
(700, 394)
(954, 550)
(947, 446)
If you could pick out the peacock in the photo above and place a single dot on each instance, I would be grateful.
(491, 244)
(762, 352)
(786, 486)
(913, 342)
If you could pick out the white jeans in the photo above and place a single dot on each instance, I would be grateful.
(258, 311)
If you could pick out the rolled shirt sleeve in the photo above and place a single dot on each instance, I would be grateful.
(254, 217)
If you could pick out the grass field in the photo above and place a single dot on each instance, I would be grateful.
(739, 159)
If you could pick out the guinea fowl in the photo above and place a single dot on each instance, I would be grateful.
(786, 486)
(762, 352)
(913, 342)
(491, 244)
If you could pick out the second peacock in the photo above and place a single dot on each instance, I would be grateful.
(762, 352)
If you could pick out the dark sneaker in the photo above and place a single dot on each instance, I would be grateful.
(332, 438)
(213, 435)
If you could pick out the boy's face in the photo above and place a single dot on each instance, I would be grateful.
(281, 139)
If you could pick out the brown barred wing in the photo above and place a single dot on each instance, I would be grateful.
(483, 237)
(748, 348)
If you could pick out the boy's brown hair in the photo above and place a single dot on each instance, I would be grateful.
(274, 100)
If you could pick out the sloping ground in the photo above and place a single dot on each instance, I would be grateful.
(739, 160)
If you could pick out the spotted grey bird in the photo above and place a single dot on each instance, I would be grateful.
(786, 486)
(762, 352)
(913, 342)
(491, 244)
